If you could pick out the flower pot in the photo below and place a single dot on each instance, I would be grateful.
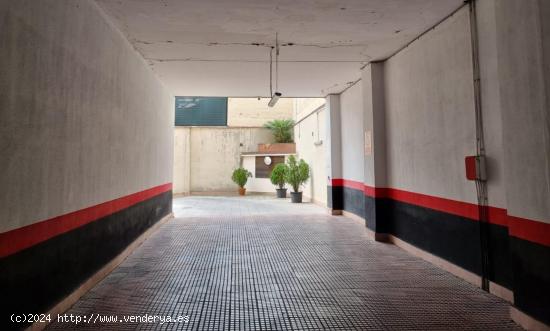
(242, 191)
(281, 193)
(296, 197)
(279, 148)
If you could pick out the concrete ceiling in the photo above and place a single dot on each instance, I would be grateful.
(221, 47)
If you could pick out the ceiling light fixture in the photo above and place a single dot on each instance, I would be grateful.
(274, 96)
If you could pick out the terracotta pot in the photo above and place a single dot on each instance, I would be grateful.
(242, 191)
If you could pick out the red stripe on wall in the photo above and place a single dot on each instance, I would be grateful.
(530, 230)
(348, 183)
(454, 207)
(18, 239)
(538, 232)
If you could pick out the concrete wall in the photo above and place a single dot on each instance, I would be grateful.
(309, 132)
(83, 121)
(251, 112)
(182, 160)
(205, 157)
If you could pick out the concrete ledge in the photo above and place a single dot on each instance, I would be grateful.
(442, 263)
(501, 292)
(468, 276)
(72, 298)
(335, 212)
(527, 322)
(354, 217)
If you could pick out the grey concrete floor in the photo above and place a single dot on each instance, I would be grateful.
(258, 263)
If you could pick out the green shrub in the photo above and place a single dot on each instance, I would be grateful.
(281, 129)
(297, 174)
(240, 176)
(278, 175)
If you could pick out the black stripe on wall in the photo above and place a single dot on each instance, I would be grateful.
(375, 214)
(448, 236)
(531, 278)
(354, 201)
(35, 279)
(335, 196)
(453, 238)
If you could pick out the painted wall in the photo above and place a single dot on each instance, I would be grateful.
(310, 138)
(83, 121)
(429, 112)
(251, 112)
(351, 117)
(491, 106)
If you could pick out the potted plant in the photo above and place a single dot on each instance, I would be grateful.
(278, 178)
(281, 129)
(240, 177)
(282, 134)
(296, 175)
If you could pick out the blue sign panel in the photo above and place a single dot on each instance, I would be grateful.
(201, 111)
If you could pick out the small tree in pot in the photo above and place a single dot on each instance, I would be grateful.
(240, 177)
(278, 178)
(296, 176)
(281, 129)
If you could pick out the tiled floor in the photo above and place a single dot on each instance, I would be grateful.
(262, 264)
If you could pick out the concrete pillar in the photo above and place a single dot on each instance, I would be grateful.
(375, 146)
(333, 153)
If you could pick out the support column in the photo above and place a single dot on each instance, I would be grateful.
(333, 153)
(374, 148)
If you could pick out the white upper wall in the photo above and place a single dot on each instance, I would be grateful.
(490, 102)
(310, 138)
(304, 106)
(83, 119)
(429, 101)
(524, 60)
(351, 117)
